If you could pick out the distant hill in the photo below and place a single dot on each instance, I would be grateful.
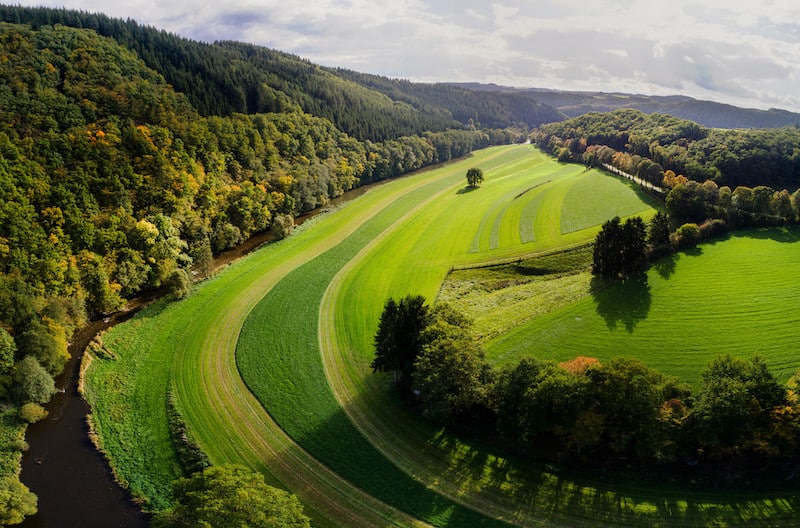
(707, 113)
(232, 77)
(487, 107)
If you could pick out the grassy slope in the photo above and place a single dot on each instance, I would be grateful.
(196, 356)
(718, 298)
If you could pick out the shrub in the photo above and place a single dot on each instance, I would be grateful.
(32, 412)
(687, 235)
(33, 382)
(282, 226)
(179, 284)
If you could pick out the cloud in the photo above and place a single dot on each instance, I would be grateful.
(731, 51)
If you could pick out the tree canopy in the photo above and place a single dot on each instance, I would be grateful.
(399, 338)
(231, 496)
(620, 248)
(474, 177)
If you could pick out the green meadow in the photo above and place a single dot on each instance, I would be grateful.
(269, 361)
(729, 296)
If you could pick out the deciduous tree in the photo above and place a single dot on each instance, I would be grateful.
(474, 177)
(231, 496)
(735, 402)
(16, 501)
(451, 376)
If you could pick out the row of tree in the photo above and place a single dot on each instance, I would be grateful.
(730, 158)
(585, 408)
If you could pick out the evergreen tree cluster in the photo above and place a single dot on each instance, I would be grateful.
(620, 248)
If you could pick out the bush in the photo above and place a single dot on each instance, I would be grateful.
(33, 382)
(16, 501)
(282, 226)
(712, 227)
(687, 235)
(32, 412)
(179, 284)
(231, 495)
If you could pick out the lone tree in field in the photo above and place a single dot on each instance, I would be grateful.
(474, 177)
(619, 249)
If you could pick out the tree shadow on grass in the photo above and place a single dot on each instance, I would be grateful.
(467, 189)
(665, 266)
(786, 235)
(625, 302)
(599, 497)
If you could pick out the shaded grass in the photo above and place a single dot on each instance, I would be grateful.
(278, 357)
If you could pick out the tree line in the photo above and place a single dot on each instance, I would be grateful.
(584, 410)
(731, 158)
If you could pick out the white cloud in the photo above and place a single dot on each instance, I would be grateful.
(732, 51)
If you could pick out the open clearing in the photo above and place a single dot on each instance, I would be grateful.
(332, 432)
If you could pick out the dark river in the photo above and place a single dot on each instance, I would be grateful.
(71, 478)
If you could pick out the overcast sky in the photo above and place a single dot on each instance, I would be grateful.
(740, 52)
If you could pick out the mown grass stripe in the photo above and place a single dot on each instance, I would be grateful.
(279, 359)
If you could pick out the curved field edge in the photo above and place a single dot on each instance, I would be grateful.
(318, 423)
(278, 357)
(184, 344)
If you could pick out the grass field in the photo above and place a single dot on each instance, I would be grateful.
(729, 296)
(300, 315)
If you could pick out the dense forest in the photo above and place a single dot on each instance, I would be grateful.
(727, 157)
(231, 77)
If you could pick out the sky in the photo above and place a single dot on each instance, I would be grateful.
(739, 52)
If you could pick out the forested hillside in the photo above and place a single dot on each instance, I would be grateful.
(728, 157)
(227, 77)
(483, 108)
